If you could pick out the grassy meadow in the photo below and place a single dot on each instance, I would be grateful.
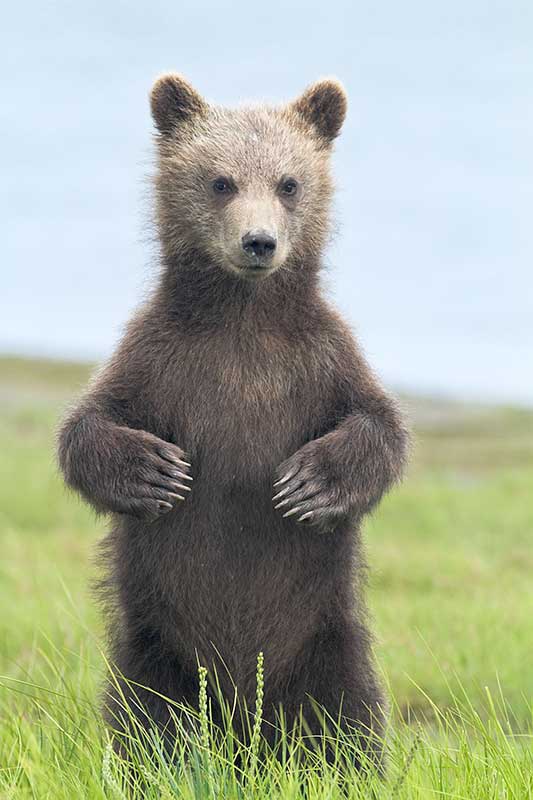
(451, 594)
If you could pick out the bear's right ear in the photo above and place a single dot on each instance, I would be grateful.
(173, 101)
(322, 107)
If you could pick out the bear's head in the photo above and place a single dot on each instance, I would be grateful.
(246, 190)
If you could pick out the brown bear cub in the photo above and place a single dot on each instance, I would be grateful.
(237, 435)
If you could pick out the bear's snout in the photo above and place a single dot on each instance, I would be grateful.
(260, 244)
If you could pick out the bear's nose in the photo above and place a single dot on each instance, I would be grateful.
(259, 243)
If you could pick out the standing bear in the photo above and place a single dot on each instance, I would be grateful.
(237, 436)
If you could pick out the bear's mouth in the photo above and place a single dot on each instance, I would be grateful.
(257, 271)
(253, 271)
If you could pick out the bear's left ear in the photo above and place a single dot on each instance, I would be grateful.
(173, 101)
(323, 107)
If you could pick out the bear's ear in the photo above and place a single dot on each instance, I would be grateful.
(173, 101)
(323, 107)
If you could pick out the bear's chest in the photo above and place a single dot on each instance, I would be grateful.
(238, 401)
(242, 387)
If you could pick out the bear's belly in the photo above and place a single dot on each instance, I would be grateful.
(237, 579)
(224, 572)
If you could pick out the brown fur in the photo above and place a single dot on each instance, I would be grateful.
(252, 381)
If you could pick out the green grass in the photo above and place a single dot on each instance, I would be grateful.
(451, 595)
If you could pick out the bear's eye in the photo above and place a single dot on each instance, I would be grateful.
(289, 187)
(221, 186)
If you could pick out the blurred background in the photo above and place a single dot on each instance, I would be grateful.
(433, 259)
(432, 264)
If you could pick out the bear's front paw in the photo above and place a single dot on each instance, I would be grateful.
(308, 489)
(152, 476)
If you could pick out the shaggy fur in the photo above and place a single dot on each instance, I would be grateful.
(252, 382)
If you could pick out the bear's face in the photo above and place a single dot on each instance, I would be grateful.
(248, 189)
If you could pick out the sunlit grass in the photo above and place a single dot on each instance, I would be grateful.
(450, 591)
(53, 746)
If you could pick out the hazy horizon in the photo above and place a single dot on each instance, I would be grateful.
(433, 259)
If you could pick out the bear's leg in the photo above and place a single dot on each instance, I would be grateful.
(135, 704)
(336, 687)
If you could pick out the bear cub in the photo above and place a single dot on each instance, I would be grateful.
(237, 436)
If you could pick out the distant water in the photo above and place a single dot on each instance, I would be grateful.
(433, 263)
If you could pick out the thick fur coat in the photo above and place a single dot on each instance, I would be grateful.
(235, 384)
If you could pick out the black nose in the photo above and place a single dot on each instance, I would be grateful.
(259, 243)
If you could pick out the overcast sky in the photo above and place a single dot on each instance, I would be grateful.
(433, 261)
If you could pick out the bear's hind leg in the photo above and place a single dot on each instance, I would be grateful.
(145, 699)
(338, 695)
